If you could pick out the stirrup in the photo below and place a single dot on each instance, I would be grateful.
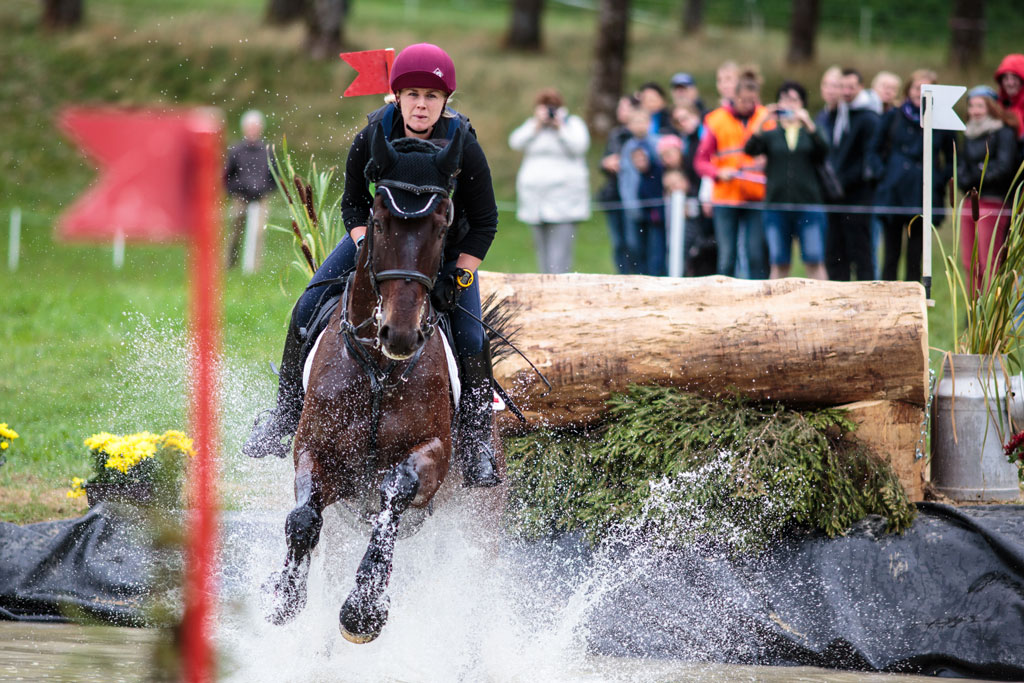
(267, 435)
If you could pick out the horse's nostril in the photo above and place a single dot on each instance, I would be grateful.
(385, 331)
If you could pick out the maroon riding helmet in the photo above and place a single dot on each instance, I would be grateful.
(423, 65)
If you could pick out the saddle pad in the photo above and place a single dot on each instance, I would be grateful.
(453, 368)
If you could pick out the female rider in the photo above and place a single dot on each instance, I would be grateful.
(422, 80)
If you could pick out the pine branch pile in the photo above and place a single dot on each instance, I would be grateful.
(728, 473)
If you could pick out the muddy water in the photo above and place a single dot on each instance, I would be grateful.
(81, 654)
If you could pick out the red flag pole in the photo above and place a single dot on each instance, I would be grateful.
(200, 591)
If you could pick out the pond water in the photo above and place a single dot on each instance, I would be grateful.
(83, 654)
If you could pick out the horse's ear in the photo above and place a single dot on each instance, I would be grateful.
(382, 154)
(449, 159)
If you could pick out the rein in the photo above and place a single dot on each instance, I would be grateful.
(382, 378)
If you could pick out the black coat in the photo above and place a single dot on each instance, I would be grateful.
(476, 213)
(247, 171)
(849, 156)
(791, 173)
(895, 156)
(1003, 160)
(618, 136)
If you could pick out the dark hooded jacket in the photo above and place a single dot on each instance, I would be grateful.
(1013, 64)
(476, 213)
(849, 155)
(895, 159)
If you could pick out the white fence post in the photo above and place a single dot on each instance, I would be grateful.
(14, 240)
(252, 220)
(119, 250)
(676, 232)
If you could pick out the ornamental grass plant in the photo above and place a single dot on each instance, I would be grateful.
(988, 321)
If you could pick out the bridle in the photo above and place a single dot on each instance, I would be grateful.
(428, 318)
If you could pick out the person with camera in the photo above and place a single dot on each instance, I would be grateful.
(793, 147)
(552, 186)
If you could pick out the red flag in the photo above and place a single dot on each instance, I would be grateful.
(143, 157)
(373, 69)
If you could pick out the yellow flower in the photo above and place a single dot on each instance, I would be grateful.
(4, 445)
(7, 433)
(77, 488)
(178, 440)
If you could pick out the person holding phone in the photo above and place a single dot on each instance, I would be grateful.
(552, 186)
(793, 146)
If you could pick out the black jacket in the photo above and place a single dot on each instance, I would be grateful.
(791, 173)
(247, 172)
(618, 136)
(849, 156)
(895, 156)
(476, 213)
(1003, 160)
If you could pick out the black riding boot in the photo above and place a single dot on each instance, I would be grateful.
(272, 427)
(474, 450)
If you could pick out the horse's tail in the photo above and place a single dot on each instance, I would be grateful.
(501, 328)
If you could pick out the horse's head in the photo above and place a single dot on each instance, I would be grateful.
(412, 211)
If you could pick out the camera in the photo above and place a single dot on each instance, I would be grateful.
(552, 112)
(784, 113)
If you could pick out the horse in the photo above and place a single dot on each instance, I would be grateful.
(378, 415)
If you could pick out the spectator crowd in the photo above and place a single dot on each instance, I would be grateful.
(844, 183)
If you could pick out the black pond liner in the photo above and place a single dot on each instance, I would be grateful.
(945, 598)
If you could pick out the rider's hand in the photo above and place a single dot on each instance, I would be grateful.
(449, 288)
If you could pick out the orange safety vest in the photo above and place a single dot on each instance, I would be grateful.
(731, 135)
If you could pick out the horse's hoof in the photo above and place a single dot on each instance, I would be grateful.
(362, 622)
(288, 596)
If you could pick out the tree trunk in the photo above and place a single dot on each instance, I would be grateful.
(693, 17)
(968, 33)
(282, 12)
(803, 31)
(524, 29)
(325, 24)
(62, 14)
(802, 342)
(609, 64)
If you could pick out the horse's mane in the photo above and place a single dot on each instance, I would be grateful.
(404, 145)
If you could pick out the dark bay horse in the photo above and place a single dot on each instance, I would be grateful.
(378, 417)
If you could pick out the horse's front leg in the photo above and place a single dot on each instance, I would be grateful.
(414, 480)
(302, 532)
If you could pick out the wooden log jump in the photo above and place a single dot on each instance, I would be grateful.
(801, 342)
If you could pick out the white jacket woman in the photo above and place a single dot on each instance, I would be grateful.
(552, 187)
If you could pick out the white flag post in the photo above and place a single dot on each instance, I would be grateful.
(936, 112)
(119, 250)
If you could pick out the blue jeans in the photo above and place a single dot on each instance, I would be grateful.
(732, 223)
(468, 333)
(780, 227)
(617, 235)
(655, 248)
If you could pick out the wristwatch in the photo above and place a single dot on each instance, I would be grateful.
(463, 278)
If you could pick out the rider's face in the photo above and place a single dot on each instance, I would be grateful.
(421, 109)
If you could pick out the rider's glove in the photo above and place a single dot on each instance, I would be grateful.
(449, 288)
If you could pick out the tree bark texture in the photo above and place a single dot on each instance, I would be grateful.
(693, 17)
(803, 31)
(609, 65)
(801, 342)
(282, 12)
(62, 14)
(968, 33)
(325, 24)
(524, 28)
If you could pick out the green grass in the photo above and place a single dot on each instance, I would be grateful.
(86, 348)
